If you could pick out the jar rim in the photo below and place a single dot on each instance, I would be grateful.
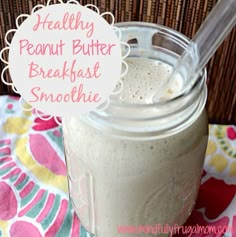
(145, 117)
(173, 32)
(181, 38)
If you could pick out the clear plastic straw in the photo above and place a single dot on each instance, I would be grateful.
(212, 32)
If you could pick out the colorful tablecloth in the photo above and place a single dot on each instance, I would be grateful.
(33, 185)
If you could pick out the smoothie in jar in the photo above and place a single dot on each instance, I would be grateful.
(138, 164)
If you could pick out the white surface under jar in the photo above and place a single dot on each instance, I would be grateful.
(139, 162)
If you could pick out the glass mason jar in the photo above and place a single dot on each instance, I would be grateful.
(139, 164)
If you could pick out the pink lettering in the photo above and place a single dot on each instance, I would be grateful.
(68, 22)
(41, 49)
(92, 48)
(77, 95)
(33, 70)
(33, 91)
(214, 230)
(67, 71)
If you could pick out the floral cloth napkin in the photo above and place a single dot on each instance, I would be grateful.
(33, 185)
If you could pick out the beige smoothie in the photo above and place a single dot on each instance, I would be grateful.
(115, 181)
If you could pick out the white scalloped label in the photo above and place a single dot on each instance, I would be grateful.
(65, 59)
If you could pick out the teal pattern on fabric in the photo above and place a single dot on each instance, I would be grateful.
(67, 224)
(37, 208)
(48, 220)
(23, 183)
(29, 197)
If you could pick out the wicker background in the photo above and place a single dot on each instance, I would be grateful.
(184, 16)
